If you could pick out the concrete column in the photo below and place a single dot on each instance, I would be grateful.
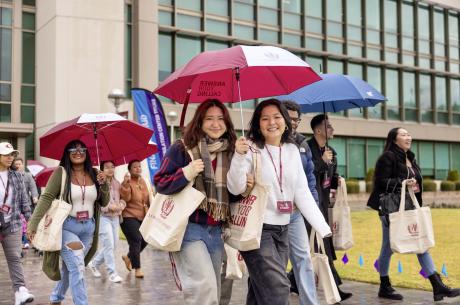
(79, 56)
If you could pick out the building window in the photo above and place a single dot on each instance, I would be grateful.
(165, 53)
(426, 107)
(6, 44)
(455, 101)
(340, 146)
(374, 150)
(356, 156)
(409, 99)
(455, 152)
(391, 31)
(424, 36)
(128, 50)
(453, 43)
(392, 94)
(426, 157)
(374, 78)
(314, 16)
(186, 48)
(373, 21)
(441, 101)
(354, 28)
(243, 10)
(193, 5)
(217, 7)
(292, 17)
(355, 70)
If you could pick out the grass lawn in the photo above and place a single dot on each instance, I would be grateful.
(367, 237)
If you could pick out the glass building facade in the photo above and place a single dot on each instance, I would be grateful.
(17, 77)
(408, 50)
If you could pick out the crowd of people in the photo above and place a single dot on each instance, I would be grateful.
(301, 175)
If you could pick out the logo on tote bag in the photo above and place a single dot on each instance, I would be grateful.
(167, 207)
(335, 227)
(413, 229)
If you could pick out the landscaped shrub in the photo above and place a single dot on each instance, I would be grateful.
(370, 175)
(457, 185)
(352, 186)
(429, 185)
(447, 186)
(453, 175)
(369, 186)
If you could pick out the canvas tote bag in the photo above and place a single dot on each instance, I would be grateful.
(247, 215)
(236, 267)
(166, 220)
(49, 231)
(323, 274)
(342, 235)
(411, 231)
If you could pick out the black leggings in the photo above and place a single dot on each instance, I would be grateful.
(130, 227)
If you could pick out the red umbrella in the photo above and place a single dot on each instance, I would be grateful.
(108, 136)
(262, 70)
(35, 167)
(42, 177)
(137, 155)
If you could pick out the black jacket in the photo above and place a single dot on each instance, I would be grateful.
(391, 170)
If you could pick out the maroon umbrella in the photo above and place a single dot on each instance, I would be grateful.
(108, 136)
(42, 177)
(138, 155)
(237, 74)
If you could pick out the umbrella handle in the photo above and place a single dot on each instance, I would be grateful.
(184, 109)
(97, 146)
(237, 76)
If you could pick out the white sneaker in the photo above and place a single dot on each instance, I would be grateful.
(94, 269)
(23, 296)
(115, 278)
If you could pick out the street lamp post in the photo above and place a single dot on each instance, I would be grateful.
(172, 117)
(116, 96)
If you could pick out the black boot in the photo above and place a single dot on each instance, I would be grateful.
(344, 295)
(386, 291)
(291, 278)
(440, 290)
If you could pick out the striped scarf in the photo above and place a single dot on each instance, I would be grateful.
(213, 184)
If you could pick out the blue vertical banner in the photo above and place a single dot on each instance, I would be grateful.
(150, 114)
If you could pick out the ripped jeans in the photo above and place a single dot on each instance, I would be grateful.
(78, 233)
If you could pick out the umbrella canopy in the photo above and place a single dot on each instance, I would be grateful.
(42, 178)
(140, 155)
(35, 167)
(262, 70)
(108, 136)
(335, 92)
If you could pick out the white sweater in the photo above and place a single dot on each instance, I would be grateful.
(295, 185)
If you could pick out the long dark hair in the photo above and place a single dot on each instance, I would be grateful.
(391, 139)
(254, 133)
(66, 163)
(194, 133)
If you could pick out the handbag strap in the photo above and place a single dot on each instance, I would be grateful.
(388, 184)
(402, 203)
(63, 179)
(342, 194)
(319, 241)
(257, 165)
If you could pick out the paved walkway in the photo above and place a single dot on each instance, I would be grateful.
(158, 287)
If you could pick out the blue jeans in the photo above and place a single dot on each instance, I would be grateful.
(299, 254)
(108, 237)
(424, 259)
(199, 262)
(73, 267)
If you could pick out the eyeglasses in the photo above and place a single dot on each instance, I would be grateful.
(296, 120)
(80, 150)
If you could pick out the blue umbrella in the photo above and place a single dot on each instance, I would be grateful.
(335, 92)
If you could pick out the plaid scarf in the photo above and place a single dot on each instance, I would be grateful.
(213, 184)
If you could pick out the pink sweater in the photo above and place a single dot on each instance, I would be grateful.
(116, 205)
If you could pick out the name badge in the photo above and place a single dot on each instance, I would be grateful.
(284, 207)
(416, 188)
(82, 215)
(5, 209)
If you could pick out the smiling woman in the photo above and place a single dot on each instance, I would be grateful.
(281, 169)
(210, 138)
